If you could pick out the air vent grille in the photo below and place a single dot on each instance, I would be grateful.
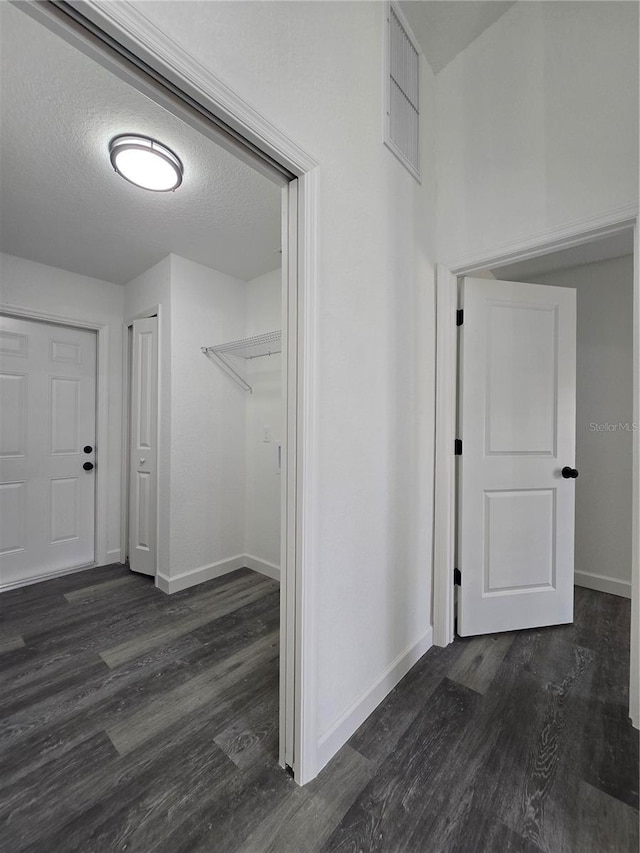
(402, 108)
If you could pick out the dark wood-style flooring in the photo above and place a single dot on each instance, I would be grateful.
(135, 721)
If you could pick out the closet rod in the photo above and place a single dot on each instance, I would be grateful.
(222, 362)
(258, 346)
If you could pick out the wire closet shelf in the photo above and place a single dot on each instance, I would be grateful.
(258, 346)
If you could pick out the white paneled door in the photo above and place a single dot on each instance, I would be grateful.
(47, 440)
(142, 446)
(516, 486)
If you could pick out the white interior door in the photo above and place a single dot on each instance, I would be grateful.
(517, 424)
(47, 435)
(143, 481)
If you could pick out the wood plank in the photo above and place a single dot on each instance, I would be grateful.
(212, 686)
(86, 800)
(605, 824)
(99, 623)
(99, 588)
(33, 677)
(495, 754)
(548, 757)
(269, 832)
(223, 822)
(254, 734)
(304, 822)
(18, 615)
(538, 755)
(609, 755)
(468, 828)
(11, 643)
(45, 600)
(479, 660)
(161, 634)
(20, 796)
(53, 720)
(410, 781)
(378, 736)
(137, 799)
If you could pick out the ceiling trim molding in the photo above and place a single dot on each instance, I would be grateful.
(566, 236)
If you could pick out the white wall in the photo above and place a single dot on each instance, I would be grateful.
(263, 409)
(36, 287)
(537, 124)
(207, 426)
(604, 396)
(315, 71)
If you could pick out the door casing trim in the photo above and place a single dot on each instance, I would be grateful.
(567, 236)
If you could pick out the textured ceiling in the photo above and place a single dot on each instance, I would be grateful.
(63, 205)
(445, 27)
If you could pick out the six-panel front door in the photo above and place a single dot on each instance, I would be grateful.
(47, 435)
(517, 424)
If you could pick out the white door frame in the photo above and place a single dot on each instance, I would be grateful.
(573, 234)
(121, 39)
(102, 417)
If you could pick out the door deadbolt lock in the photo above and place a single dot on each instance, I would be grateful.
(87, 448)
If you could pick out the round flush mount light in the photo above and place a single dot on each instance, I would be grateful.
(146, 162)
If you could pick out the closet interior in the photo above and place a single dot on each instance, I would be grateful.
(254, 363)
(220, 419)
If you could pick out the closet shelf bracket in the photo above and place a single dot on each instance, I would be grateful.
(257, 346)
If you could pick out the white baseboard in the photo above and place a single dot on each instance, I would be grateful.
(176, 583)
(167, 584)
(262, 566)
(340, 732)
(113, 556)
(634, 706)
(614, 586)
(45, 576)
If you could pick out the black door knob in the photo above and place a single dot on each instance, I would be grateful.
(87, 448)
(569, 473)
(88, 466)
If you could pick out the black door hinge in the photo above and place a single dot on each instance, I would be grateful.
(457, 577)
(457, 444)
(459, 317)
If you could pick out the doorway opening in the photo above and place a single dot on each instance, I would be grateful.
(253, 142)
(617, 229)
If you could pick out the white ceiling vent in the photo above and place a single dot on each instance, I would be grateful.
(402, 112)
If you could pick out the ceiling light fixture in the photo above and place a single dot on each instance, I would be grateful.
(145, 162)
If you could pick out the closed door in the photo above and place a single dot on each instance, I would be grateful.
(47, 449)
(516, 485)
(142, 446)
